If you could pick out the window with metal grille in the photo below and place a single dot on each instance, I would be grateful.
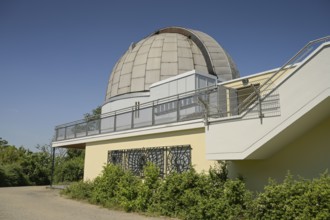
(167, 159)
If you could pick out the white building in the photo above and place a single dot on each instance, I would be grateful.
(175, 98)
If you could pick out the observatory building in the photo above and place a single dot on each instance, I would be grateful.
(176, 99)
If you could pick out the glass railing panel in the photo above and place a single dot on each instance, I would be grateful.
(142, 117)
(107, 124)
(81, 129)
(60, 134)
(189, 109)
(124, 121)
(166, 112)
(93, 127)
(70, 131)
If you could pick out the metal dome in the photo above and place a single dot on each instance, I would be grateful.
(166, 53)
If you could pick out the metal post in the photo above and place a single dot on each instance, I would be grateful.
(178, 109)
(87, 127)
(75, 130)
(99, 125)
(261, 115)
(56, 134)
(153, 114)
(53, 167)
(132, 118)
(115, 122)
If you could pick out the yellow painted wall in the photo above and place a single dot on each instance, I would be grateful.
(307, 156)
(96, 153)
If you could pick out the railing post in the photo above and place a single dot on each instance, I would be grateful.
(75, 130)
(115, 122)
(86, 130)
(177, 109)
(56, 134)
(153, 114)
(257, 91)
(65, 133)
(132, 118)
(99, 125)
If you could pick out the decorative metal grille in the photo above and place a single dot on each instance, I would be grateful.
(116, 157)
(177, 158)
(136, 160)
(156, 156)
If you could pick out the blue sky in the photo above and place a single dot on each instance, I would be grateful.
(56, 55)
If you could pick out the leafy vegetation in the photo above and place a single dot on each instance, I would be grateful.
(294, 199)
(22, 167)
(191, 195)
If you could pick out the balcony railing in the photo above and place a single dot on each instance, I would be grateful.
(216, 102)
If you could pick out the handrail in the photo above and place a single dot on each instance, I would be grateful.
(144, 105)
(299, 55)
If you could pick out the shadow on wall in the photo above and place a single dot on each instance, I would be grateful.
(307, 156)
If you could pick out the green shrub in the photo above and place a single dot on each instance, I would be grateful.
(147, 189)
(3, 176)
(106, 185)
(294, 199)
(127, 191)
(13, 175)
(79, 190)
(211, 200)
(190, 195)
(70, 170)
(169, 199)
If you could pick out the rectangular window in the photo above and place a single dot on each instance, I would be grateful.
(167, 159)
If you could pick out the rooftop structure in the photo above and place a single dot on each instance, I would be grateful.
(166, 53)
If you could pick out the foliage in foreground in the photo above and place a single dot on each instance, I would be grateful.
(294, 199)
(22, 167)
(191, 195)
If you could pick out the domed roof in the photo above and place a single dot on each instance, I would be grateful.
(166, 53)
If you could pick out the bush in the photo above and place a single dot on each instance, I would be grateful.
(79, 190)
(173, 195)
(3, 176)
(190, 195)
(147, 189)
(127, 191)
(294, 199)
(106, 185)
(70, 170)
(13, 175)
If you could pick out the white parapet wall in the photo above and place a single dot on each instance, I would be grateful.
(301, 94)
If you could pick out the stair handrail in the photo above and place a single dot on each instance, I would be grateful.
(285, 67)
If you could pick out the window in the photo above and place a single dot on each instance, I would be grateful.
(167, 159)
(166, 108)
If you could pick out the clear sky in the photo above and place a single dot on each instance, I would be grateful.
(56, 55)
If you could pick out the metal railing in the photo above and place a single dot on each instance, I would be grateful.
(268, 87)
(218, 102)
(259, 98)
